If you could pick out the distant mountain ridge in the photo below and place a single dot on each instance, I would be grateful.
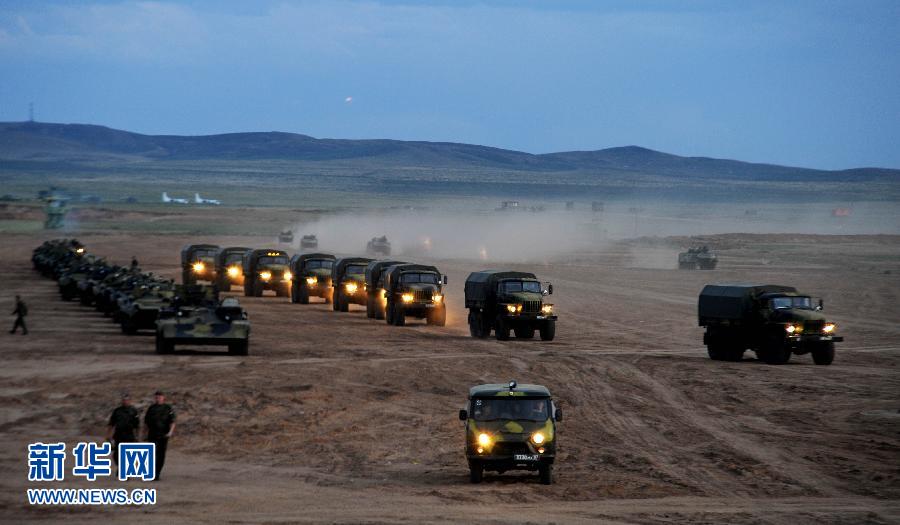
(38, 141)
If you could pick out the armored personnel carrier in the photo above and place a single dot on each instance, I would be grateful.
(309, 243)
(197, 317)
(506, 301)
(378, 247)
(140, 309)
(699, 258)
(286, 237)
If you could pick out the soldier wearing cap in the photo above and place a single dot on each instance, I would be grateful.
(159, 422)
(123, 425)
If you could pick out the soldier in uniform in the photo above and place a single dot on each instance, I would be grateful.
(134, 263)
(159, 422)
(123, 425)
(20, 312)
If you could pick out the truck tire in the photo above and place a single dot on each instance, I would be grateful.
(336, 300)
(474, 329)
(248, 287)
(438, 317)
(823, 353)
(295, 294)
(548, 331)
(546, 474)
(501, 330)
(303, 294)
(776, 352)
(370, 307)
(715, 352)
(524, 332)
(476, 471)
(399, 317)
(733, 352)
(379, 310)
(239, 347)
(345, 304)
(389, 313)
(258, 288)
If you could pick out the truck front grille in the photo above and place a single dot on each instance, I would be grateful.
(531, 307)
(813, 326)
(422, 296)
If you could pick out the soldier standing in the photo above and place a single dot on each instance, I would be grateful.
(123, 425)
(20, 312)
(159, 422)
(134, 263)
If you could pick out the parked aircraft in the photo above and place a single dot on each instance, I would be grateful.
(200, 200)
(172, 200)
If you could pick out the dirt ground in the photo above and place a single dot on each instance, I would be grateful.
(337, 418)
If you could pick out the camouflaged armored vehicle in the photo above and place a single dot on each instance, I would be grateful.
(312, 277)
(229, 267)
(774, 321)
(197, 317)
(510, 427)
(699, 258)
(56, 256)
(198, 263)
(286, 237)
(378, 247)
(375, 298)
(140, 309)
(72, 276)
(348, 282)
(414, 290)
(506, 301)
(309, 243)
(267, 269)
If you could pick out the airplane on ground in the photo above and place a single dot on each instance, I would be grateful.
(200, 200)
(172, 200)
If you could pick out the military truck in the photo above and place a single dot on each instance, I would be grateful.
(312, 277)
(378, 247)
(772, 320)
(198, 263)
(309, 243)
(414, 290)
(510, 427)
(375, 298)
(197, 317)
(348, 282)
(509, 301)
(698, 258)
(286, 237)
(267, 269)
(229, 271)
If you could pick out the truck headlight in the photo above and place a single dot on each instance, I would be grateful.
(537, 438)
(287, 275)
(79, 250)
(265, 276)
(793, 328)
(233, 271)
(408, 298)
(351, 288)
(547, 309)
(437, 298)
(199, 267)
(312, 280)
(484, 440)
(513, 308)
(828, 328)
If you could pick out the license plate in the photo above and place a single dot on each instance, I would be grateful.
(525, 457)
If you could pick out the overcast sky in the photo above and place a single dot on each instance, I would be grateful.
(802, 83)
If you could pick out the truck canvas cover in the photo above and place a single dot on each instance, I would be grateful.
(733, 301)
(480, 284)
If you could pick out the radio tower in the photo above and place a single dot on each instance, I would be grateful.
(31, 112)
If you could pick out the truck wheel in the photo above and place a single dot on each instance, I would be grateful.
(776, 353)
(546, 474)
(239, 348)
(370, 307)
(823, 353)
(258, 289)
(389, 314)
(473, 325)
(733, 353)
(225, 285)
(476, 471)
(438, 317)
(345, 304)
(524, 332)
(548, 331)
(715, 352)
(399, 317)
(379, 310)
(304, 294)
(501, 330)
(336, 301)
(295, 295)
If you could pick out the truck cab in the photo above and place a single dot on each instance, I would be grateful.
(510, 427)
(198, 263)
(229, 271)
(312, 277)
(414, 290)
(508, 301)
(348, 282)
(375, 298)
(266, 269)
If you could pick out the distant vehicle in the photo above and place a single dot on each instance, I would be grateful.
(508, 301)
(286, 237)
(774, 321)
(309, 243)
(197, 317)
(508, 206)
(375, 295)
(312, 277)
(699, 258)
(200, 200)
(414, 290)
(198, 263)
(229, 270)
(348, 282)
(172, 200)
(378, 247)
(267, 269)
(510, 427)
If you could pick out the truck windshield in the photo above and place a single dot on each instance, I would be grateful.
(204, 253)
(319, 263)
(493, 409)
(233, 258)
(428, 278)
(790, 302)
(356, 268)
(520, 286)
(269, 261)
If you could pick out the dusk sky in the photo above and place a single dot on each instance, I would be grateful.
(812, 84)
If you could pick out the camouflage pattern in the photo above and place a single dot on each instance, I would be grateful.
(267, 269)
(197, 317)
(421, 296)
(506, 301)
(772, 320)
(312, 277)
(348, 287)
(140, 309)
(699, 258)
(229, 267)
(198, 263)
(378, 247)
(510, 427)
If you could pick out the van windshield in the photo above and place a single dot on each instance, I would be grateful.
(520, 286)
(493, 409)
(790, 302)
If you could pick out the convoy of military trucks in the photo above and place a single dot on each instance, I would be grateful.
(508, 426)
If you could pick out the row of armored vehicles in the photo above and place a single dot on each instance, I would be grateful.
(188, 313)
